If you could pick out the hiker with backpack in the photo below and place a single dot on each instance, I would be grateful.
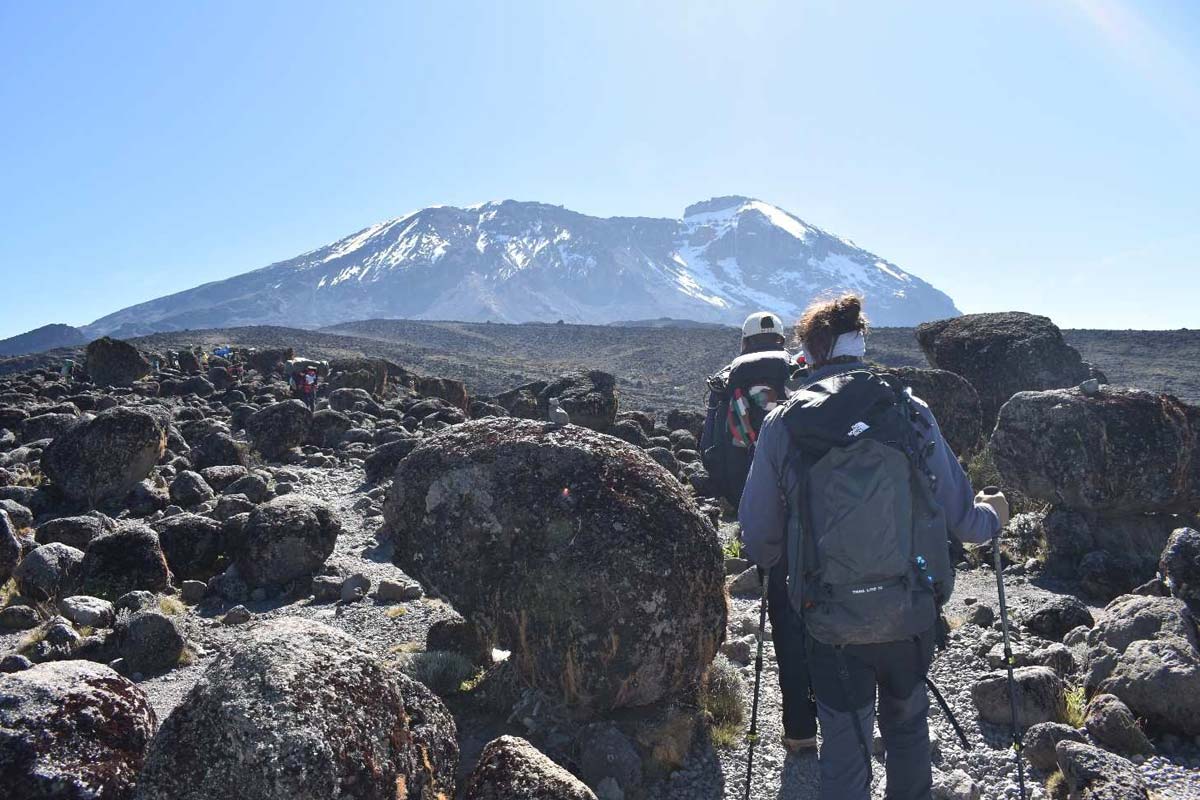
(855, 488)
(740, 397)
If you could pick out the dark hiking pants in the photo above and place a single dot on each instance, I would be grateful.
(847, 685)
(787, 632)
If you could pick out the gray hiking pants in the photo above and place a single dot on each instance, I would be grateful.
(846, 688)
(905, 733)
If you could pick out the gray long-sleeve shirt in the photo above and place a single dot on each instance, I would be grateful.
(763, 513)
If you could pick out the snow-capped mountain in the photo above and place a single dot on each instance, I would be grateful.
(516, 262)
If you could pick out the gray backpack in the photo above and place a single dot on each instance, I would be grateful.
(868, 550)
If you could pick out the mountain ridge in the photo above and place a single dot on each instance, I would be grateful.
(518, 261)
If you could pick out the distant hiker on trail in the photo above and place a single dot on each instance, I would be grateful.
(740, 397)
(854, 486)
(308, 384)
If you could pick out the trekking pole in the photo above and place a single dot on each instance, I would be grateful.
(752, 736)
(1008, 655)
(949, 714)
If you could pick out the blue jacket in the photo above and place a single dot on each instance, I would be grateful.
(763, 513)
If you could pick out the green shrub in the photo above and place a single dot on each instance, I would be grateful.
(732, 548)
(1076, 706)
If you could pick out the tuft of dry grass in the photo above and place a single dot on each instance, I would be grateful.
(187, 656)
(8, 591)
(395, 611)
(721, 699)
(171, 606)
(1056, 787)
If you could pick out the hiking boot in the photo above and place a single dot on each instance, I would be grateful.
(794, 746)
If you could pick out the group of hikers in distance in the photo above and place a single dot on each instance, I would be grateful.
(847, 496)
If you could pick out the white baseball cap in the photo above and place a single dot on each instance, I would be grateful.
(762, 322)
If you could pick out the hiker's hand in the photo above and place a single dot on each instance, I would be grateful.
(998, 503)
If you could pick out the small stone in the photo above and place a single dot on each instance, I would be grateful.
(14, 663)
(192, 592)
(1090, 387)
(736, 566)
(19, 618)
(237, 615)
(746, 583)
(91, 611)
(741, 650)
(981, 615)
(390, 591)
(355, 588)
(326, 588)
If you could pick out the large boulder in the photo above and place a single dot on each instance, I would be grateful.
(295, 710)
(1121, 452)
(105, 457)
(149, 641)
(590, 398)
(270, 359)
(1040, 697)
(1058, 615)
(381, 464)
(510, 768)
(1132, 618)
(218, 449)
(1093, 774)
(77, 532)
(1042, 739)
(279, 427)
(50, 571)
(113, 362)
(191, 544)
(288, 538)
(327, 428)
(1159, 680)
(1002, 354)
(954, 403)
(523, 401)
(72, 730)
(1111, 723)
(1179, 566)
(452, 391)
(572, 549)
(1121, 551)
(129, 558)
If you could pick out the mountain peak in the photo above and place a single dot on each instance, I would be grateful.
(716, 204)
(517, 261)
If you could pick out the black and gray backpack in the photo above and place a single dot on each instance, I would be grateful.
(742, 395)
(869, 558)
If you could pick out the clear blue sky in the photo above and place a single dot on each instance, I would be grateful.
(1032, 154)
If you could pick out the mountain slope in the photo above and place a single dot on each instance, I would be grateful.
(37, 340)
(517, 262)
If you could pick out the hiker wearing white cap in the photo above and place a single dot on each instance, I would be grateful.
(740, 397)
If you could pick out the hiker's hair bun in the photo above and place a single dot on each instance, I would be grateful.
(825, 320)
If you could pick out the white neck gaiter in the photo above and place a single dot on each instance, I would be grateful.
(848, 344)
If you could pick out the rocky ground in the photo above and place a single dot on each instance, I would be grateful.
(244, 523)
